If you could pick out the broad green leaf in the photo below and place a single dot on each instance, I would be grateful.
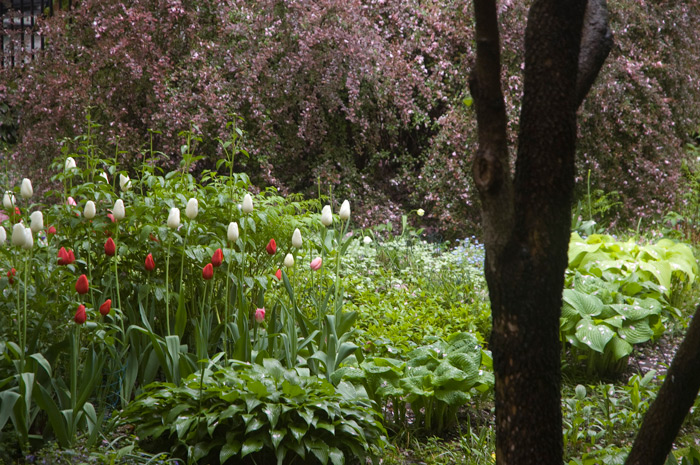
(277, 436)
(336, 455)
(578, 248)
(583, 304)
(619, 347)
(661, 270)
(252, 445)
(592, 335)
(632, 312)
(272, 411)
(452, 397)
(298, 431)
(253, 424)
(636, 332)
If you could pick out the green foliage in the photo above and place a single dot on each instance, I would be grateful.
(261, 413)
(618, 295)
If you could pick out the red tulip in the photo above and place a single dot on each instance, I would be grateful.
(208, 271)
(271, 247)
(260, 315)
(11, 276)
(278, 275)
(65, 257)
(80, 316)
(150, 264)
(51, 230)
(110, 247)
(106, 307)
(82, 285)
(217, 258)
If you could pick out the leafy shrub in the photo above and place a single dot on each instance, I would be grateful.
(617, 294)
(366, 97)
(258, 413)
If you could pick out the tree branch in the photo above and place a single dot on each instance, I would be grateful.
(676, 396)
(596, 42)
(491, 167)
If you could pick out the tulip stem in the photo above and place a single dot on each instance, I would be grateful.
(116, 277)
(167, 289)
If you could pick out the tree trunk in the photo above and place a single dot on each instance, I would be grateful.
(527, 219)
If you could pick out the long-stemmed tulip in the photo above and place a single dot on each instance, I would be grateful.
(173, 223)
(36, 221)
(119, 212)
(26, 190)
(90, 210)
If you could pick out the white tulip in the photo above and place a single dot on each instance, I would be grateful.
(247, 204)
(344, 211)
(367, 240)
(8, 200)
(232, 233)
(289, 260)
(28, 239)
(3, 236)
(296, 239)
(192, 208)
(18, 235)
(420, 212)
(26, 190)
(124, 182)
(36, 221)
(174, 218)
(104, 175)
(118, 210)
(70, 165)
(326, 216)
(90, 211)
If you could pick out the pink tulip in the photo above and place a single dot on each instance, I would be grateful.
(316, 263)
(260, 315)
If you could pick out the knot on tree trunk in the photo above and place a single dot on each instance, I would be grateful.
(487, 171)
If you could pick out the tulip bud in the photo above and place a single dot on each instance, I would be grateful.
(296, 239)
(289, 260)
(18, 235)
(26, 190)
(208, 271)
(3, 236)
(51, 230)
(8, 200)
(65, 257)
(192, 208)
(420, 212)
(11, 275)
(36, 221)
(90, 210)
(110, 247)
(104, 175)
(124, 183)
(316, 263)
(271, 247)
(174, 218)
(82, 286)
(260, 315)
(118, 211)
(150, 263)
(28, 239)
(218, 258)
(71, 202)
(106, 307)
(367, 240)
(326, 216)
(70, 165)
(278, 274)
(247, 204)
(80, 316)
(344, 213)
(232, 233)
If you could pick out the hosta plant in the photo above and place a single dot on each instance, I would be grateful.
(619, 294)
(258, 414)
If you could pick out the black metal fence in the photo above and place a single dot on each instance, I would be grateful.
(21, 38)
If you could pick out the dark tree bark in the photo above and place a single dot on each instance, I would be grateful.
(676, 397)
(526, 218)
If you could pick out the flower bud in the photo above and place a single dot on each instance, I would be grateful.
(174, 218)
(110, 247)
(260, 315)
(316, 263)
(278, 274)
(192, 208)
(232, 233)
(271, 247)
(150, 264)
(208, 271)
(420, 212)
(218, 258)
(70, 165)
(90, 211)
(296, 239)
(18, 235)
(82, 286)
(289, 260)
(367, 240)
(326, 216)
(80, 316)
(36, 221)
(106, 307)
(118, 211)
(344, 213)
(106, 178)
(28, 239)
(26, 190)
(3, 236)
(71, 202)
(8, 200)
(247, 204)
(124, 182)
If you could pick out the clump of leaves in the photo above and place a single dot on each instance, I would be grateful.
(619, 294)
(258, 414)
